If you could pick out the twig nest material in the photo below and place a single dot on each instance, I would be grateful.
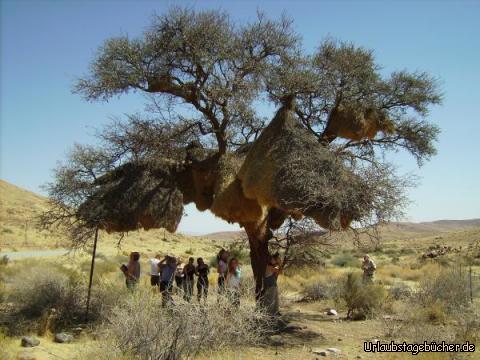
(229, 201)
(286, 168)
(133, 196)
(356, 123)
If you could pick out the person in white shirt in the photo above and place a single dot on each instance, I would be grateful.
(232, 281)
(154, 273)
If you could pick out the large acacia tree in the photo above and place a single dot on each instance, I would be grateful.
(202, 138)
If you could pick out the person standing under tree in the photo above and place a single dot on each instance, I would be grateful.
(189, 273)
(132, 270)
(179, 276)
(202, 272)
(167, 272)
(270, 288)
(369, 268)
(232, 282)
(222, 267)
(154, 274)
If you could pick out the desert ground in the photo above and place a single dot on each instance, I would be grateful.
(416, 298)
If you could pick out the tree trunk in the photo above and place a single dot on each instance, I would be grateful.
(258, 241)
(92, 268)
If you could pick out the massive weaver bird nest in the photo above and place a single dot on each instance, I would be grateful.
(356, 122)
(133, 196)
(286, 171)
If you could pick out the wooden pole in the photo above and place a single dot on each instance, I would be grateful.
(470, 284)
(92, 267)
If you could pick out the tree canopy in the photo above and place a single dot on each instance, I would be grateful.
(203, 139)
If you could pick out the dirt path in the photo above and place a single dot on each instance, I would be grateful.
(16, 255)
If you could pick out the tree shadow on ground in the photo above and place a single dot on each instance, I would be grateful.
(291, 332)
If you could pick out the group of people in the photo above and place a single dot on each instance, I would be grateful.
(169, 274)
(169, 270)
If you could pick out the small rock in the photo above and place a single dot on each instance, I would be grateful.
(63, 338)
(77, 331)
(320, 352)
(359, 356)
(334, 350)
(332, 312)
(26, 356)
(339, 339)
(30, 341)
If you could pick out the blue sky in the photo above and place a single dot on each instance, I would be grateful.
(46, 45)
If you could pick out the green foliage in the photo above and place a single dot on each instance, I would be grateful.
(239, 249)
(345, 260)
(400, 291)
(321, 289)
(102, 267)
(447, 286)
(6, 230)
(155, 332)
(35, 290)
(362, 300)
(143, 170)
(4, 260)
(434, 312)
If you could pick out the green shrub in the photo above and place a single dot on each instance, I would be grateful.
(4, 261)
(239, 250)
(435, 312)
(345, 260)
(400, 291)
(322, 289)
(407, 251)
(449, 286)
(361, 299)
(102, 267)
(7, 231)
(36, 290)
(140, 326)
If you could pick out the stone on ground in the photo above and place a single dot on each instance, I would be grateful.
(63, 338)
(332, 312)
(26, 356)
(320, 352)
(30, 341)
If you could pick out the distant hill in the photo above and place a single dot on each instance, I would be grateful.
(225, 235)
(18, 205)
(19, 210)
(19, 230)
(391, 231)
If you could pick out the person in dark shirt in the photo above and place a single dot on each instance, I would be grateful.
(202, 272)
(189, 273)
(167, 269)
